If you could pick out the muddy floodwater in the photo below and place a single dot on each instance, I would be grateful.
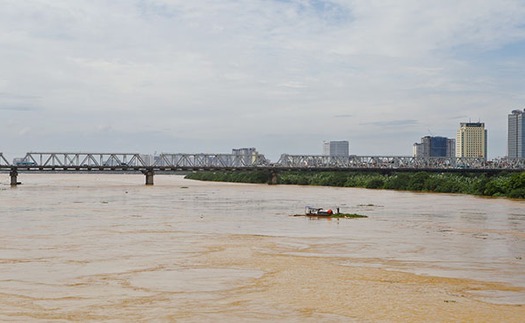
(90, 247)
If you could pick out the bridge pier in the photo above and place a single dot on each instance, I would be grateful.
(274, 178)
(149, 176)
(14, 177)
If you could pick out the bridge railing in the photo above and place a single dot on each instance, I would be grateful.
(49, 159)
(3, 161)
(210, 161)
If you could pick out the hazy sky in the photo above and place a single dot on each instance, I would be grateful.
(181, 76)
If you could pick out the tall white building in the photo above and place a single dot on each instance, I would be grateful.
(336, 148)
(471, 140)
(516, 136)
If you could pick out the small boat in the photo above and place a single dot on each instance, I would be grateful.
(313, 211)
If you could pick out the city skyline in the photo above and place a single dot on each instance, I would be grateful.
(205, 76)
(418, 149)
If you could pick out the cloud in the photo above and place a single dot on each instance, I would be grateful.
(393, 123)
(13, 96)
(240, 71)
(23, 131)
(17, 108)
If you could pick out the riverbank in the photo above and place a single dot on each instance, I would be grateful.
(501, 185)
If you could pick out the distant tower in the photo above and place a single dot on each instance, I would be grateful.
(471, 140)
(516, 136)
(336, 148)
(451, 147)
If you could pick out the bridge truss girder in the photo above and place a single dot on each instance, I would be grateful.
(395, 162)
(210, 161)
(3, 161)
(46, 159)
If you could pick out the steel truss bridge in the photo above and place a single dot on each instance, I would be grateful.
(148, 165)
(132, 161)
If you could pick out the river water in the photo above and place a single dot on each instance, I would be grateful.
(108, 248)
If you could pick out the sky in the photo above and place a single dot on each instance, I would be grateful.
(206, 76)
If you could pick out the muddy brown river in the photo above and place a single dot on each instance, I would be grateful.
(89, 247)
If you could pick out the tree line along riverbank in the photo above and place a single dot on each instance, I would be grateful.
(510, 185)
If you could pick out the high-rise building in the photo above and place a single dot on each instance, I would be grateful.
(451, 147)
(418, 150)
(471, 140)
(516, 136)
(246, 155)
(434, 147)
(336, 148)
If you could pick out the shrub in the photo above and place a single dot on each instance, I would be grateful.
(517, 181)
(375, 183)
(518, 193)
(417, 181)
(504, 184)
(397, 182)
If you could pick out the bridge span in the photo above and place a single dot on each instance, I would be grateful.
(149, 165)
(398, 162)
(128, 162)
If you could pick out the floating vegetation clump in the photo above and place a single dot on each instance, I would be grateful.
(348, 215)
(334, 216)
